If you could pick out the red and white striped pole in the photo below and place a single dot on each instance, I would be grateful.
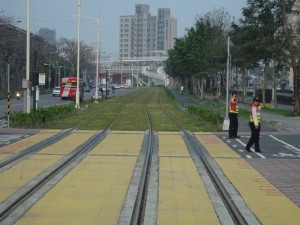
(8, 94)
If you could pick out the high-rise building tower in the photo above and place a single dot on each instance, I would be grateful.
(48, 34)
(166, 29)
(142, 34)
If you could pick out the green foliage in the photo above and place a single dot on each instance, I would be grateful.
(41, 116)
(169, 94)
(200, 52)
(207, 115)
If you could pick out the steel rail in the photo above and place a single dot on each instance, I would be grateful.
(43, 144)
(232, 209)
(8, 208)
(141, 198)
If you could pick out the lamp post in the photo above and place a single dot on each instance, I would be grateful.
(58, 83)
(226, 120)
(121, 72)
(27, 90)
(97, 58)
(77, 105)
(131, 75)
(227, 77)
(97, 20)
(49, 76)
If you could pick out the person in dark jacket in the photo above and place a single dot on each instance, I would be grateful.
(233, 116)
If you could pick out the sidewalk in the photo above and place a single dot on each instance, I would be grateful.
(270, 121)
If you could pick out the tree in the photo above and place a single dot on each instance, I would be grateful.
(258, 39)
(68, 49)
(291, 34)
(199, 54)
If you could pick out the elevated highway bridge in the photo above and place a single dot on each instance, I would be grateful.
(145, 71)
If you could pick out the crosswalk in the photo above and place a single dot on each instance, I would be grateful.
(7, 139)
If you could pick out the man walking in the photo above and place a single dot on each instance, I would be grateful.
(254, 125)
(233, 116)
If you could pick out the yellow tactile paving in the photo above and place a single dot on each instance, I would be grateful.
(171, 145)
(94, 191)
(120, 144)
(265, 201)
(26, 142)
(26, 170)
(3, 156)
(183, 198)
(68, 143)
(216, 147)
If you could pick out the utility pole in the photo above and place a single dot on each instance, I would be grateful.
(226, 121)
(27, 89)
(77, 105)
(34, 83)
(97, 58)
(8, 94)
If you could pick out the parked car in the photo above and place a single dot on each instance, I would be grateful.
(116, 86)
(56, 91)
(102, 88)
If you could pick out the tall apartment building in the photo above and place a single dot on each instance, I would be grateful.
(143, 35)
(48, 34)
(166, 29)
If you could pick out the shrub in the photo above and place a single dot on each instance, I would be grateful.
(41, 116)
(208, 115)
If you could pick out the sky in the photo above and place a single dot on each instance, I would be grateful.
(61, 15)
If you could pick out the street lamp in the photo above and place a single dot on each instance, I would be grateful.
(27, 93)
(97, 58)
(97, 20)
(59, 75)
(226, 121)
(77, 105)
(131, 75)
(49, 76)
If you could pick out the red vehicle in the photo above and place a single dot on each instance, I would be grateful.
(68, 86)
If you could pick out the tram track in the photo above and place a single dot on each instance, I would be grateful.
(15, 158)
(14, 201)
(134, 210)
(236, 215)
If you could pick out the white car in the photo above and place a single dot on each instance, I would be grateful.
(56, 91)
(102, 88)
(117, 86)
